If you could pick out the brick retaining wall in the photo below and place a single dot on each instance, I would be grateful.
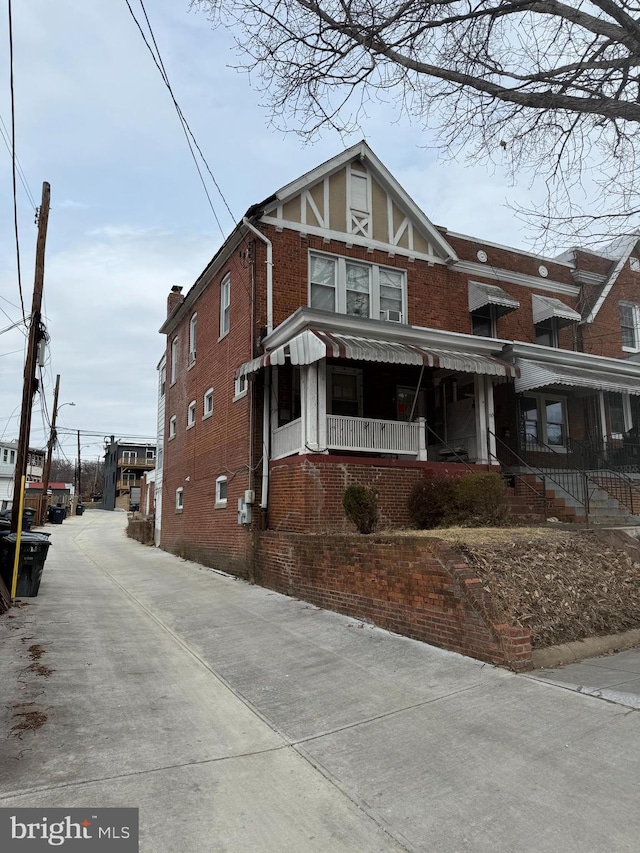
(414, 586)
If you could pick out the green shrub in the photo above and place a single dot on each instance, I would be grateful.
(480, 499)
(361, 507)
(430, 501)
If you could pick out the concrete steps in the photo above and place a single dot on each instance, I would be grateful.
(563, 497)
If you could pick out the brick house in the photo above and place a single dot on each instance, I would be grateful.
(339, 336)
(124, 464)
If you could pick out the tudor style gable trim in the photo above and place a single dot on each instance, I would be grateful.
(355, 199)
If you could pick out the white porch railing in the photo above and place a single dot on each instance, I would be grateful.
(287, 440)
(382, 436)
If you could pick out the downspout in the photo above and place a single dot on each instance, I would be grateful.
(266, 405)
(266, 411)
(267, 242)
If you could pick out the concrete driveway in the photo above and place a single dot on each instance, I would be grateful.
(240, 720)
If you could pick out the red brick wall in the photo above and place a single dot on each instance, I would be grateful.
(412, 586)
(305, 492)
(215, 446)
(437, 295)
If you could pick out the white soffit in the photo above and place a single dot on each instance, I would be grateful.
(546, 307)
(481, 295)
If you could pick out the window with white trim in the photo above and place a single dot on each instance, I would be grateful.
(359, 289)
(179, 499)
(225, 305)
(240, 387)
(630, 325)
(221, 492)
(207, 404)
(191, 414)
(193, 326)
(174, 360)
(544, 420)
(172, 426)
(163, 381)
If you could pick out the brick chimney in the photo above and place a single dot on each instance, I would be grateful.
(174, 299)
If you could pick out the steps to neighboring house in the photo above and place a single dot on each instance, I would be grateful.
(604, 508)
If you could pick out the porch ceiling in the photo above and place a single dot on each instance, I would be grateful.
(314, 344)
(536, 375)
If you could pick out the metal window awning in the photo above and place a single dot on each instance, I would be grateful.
(547, 307)
(536, 375)
(314, 344)
(481, 295)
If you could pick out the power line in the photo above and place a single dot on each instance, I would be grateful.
(13, 157)
(4, 133)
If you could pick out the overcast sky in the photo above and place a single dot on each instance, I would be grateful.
(129, 217)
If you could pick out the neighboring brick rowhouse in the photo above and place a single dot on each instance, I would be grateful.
(414, 586)
(305, 492)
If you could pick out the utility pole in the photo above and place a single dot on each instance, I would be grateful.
(79, 496)
(29, 384)
(47, 465)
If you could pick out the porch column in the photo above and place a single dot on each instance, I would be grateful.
(309, 403)
(322, 405)
(481, 419)
(271, 394)
(602, 413)
(491, 422)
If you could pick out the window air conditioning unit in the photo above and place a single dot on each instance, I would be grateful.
(393, 316)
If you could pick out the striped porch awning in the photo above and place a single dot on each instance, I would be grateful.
(536, 375)
(314, 344)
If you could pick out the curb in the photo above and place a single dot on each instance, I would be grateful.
(581, 649)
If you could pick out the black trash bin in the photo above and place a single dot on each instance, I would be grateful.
(79, 509)
(33, 553)
(57, 514)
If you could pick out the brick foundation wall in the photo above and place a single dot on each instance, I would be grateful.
(412, 586)
(305, 492)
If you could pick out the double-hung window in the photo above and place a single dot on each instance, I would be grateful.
(191, 414)
(174, 360)
(179, 499)
(193, 325)
(544, 421)
(207, 404)
(359, 289)
(630, 325)
(547, 332)
(172, 426)
(225, 305)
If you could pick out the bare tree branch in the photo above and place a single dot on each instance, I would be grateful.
(555, 85)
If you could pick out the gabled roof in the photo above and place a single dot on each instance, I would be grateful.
(383, 176)
(620, 249)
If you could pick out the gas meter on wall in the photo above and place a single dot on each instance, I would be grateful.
(244, 511)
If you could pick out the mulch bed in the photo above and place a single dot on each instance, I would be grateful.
(564, 586)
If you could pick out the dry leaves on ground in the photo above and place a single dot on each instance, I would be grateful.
(564, 586)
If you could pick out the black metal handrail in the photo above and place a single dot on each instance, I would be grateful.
(574, 483)
(608, 478)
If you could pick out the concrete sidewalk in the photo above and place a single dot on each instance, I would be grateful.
(240, 720)
(613, 677)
